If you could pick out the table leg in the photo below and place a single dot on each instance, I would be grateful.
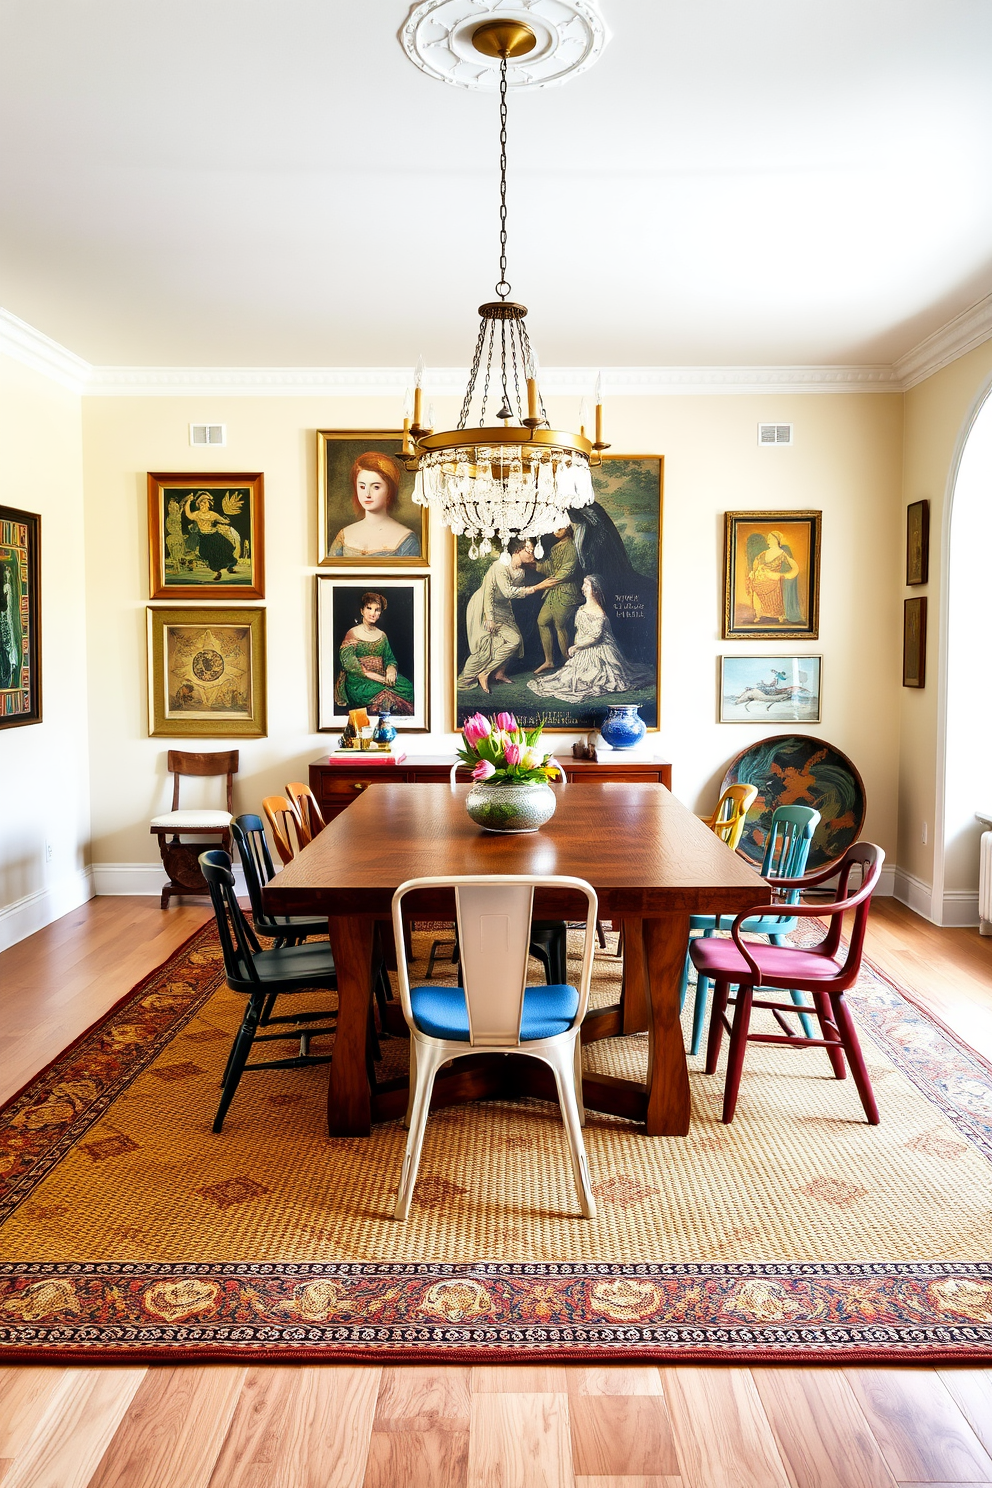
(634, 1001)
(349, 1109)
(665, 943)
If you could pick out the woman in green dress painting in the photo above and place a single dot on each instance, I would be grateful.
(369, 677)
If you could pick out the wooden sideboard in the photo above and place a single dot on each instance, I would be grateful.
(337, 785)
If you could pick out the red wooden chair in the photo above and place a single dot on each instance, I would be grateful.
(817, 969)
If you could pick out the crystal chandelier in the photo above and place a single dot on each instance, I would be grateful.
(517, 477)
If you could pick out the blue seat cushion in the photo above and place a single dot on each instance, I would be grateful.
(442, 1012)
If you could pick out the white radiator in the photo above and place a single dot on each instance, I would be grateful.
(985, 886)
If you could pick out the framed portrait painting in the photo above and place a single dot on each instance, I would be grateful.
(206, 673)
(917, 542)
(771, 575)
(366, 512)
(206, 537)
(372, 650)
(570, 628)
(20, 617)
(764, 689)
(914, 642)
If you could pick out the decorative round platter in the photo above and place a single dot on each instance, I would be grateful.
(797, 770)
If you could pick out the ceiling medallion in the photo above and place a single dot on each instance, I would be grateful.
(569, 36)
(515, 478)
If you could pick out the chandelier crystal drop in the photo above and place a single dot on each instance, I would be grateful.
(515, 477)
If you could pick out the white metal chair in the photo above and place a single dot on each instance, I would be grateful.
(495, 1010)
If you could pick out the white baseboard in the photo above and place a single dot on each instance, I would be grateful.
(960, 908)
(886, 882)
(141, 878)
(914, 893)
(35, 911)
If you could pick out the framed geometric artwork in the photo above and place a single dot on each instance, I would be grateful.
(917, 542)
(206, 673)
(206, 537)
(366, 514)
(914, 642)
(764, 689)
(771, 575)
(20, 617)
(562, 637)
(372, 650)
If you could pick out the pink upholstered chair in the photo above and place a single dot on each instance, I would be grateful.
(819, 969)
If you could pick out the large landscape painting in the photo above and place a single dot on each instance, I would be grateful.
(564, 636)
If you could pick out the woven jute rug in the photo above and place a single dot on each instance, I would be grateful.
(128, 1230)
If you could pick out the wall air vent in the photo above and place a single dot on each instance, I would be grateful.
(774, 433)
(208, 433)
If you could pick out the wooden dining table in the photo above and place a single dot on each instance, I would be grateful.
(651, 862)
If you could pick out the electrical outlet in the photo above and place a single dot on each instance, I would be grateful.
(923, 835)
(48, 852)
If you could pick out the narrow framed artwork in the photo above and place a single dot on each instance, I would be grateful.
(206, 673)
(914, 642)
(20, 617)
(206, 537)
(562, 636)
(366, 511)
(771, 575)
(762, 689)
(917, 542)
(373, 649)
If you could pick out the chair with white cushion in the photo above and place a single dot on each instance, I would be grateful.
(180, 858)
(494, 1011)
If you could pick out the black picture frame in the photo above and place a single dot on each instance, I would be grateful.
(917, 543)
(914, 642)
(20, 617)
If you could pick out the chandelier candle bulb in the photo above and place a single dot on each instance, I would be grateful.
(533, 402)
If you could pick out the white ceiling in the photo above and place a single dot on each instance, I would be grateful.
(272, 183)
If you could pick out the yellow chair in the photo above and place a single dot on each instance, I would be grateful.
(728, 819)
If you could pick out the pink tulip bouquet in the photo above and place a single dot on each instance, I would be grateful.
(502, 753)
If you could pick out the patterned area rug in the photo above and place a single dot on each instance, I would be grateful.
(128, 1230)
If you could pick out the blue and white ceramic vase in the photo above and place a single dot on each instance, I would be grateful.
(385, 731)
(624, 727)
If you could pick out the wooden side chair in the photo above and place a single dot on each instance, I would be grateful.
(288, 832)
(180, 858)
(728, 819)
(307, 809)
(494, 1011)
(824, 970)
(790, 837)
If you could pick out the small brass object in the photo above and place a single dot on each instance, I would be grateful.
(504, 39)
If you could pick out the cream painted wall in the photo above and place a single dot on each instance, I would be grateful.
(845, 460)
(937, 414)
(44, 787)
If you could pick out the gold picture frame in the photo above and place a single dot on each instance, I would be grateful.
(771, 575)
(206, 673)
(340, 518)
(206, 536)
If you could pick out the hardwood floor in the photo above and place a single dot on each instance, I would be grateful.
(228, 1426)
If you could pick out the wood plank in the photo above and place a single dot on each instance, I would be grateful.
(414, 1398)
(622, 1435)
(519, 1379)
(821, 1430)
(613, 1379)
(173, 1430)
(722, 1436)
(83, 1413)
(519, 1441)
(24, 1396)
(417, 1459)
(922, 1434)
(971, 1390)
(299, 1428)
(628, 1482)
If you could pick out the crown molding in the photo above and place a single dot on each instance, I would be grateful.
(958, 336)
(391, 382)
(38, 351)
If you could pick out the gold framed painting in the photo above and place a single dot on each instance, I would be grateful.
(367, 516)
(206, 536)
(914, 642)
(771, 575)
(206, 673)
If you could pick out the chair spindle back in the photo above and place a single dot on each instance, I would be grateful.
(307, 809)
(237, 939)
(285, 824)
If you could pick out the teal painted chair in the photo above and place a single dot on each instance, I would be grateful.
(789, 840)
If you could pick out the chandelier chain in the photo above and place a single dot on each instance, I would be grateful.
(503, 287)
(489, 373)
(467, 401)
